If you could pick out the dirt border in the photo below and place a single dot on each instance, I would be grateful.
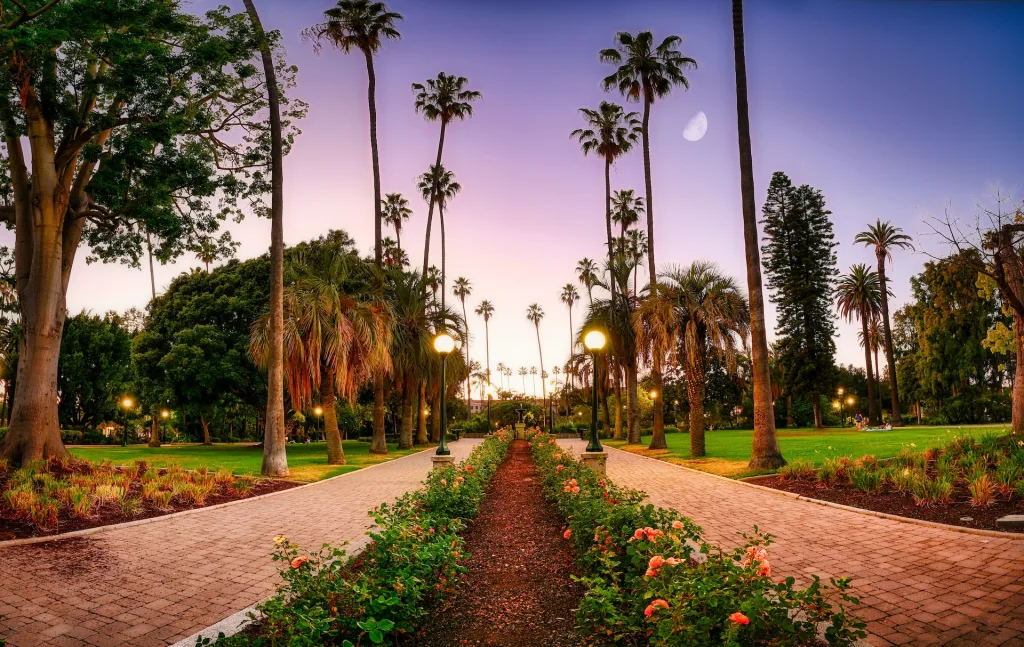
(919, 522)
(125, 524)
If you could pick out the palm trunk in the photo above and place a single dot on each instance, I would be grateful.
(873, 417)
(430, 205)
(632, 406)
(371, 91)
(878, 383)
(765, 451)
(335, 449)
(421, 428)
(444, 260)
(658, 428)
(895, 418)
(608, 227)
(378, 443)
(695, 391)
(408, 399)
(275, 460)
(543, 384)
(469, 365)
(618, 404)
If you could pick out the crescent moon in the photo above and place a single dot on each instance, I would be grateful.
(696, 128)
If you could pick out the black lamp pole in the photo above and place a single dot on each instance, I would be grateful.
(595, 443)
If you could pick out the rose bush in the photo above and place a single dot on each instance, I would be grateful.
(331, 598)
(652, 580)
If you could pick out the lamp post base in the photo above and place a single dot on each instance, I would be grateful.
(596, 461)
(441, 462)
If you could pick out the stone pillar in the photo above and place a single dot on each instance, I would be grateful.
(596, 461)
(441, 462)
(520, 430)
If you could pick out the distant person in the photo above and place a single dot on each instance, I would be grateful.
(859, 419)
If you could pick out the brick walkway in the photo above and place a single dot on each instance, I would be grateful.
(156, 583)
(918, 585)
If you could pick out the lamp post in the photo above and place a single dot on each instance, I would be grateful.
(842, 418)
(594, 341)
(165, 414)
(443, 344)
(319, 412)
(126, 403)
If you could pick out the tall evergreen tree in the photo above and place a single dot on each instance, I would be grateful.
(800, 259)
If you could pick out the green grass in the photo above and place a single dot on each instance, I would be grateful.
(306, 462)
(728, 451)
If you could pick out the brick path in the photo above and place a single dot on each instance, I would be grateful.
(156, 583)
(918, 585)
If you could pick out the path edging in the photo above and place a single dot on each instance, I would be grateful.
(883, 515)
(126, 524)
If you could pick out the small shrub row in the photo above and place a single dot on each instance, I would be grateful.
(652, 580)
(380, 595)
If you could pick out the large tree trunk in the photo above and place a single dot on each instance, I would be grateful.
(695, 391)
(633, 407)
(154, 432)
(34, 431)
(608, 228)
(430, 205)
(421, 429)
(371, 91)
(335, 448)
(408, 400)
(896, 419)
(275, 460)
(816, 405)
(765, 453)
(790, 421)
(878, 385)
(1018, 378)
(206, 429)
(618, 404)
(378, 443)
(873, 416)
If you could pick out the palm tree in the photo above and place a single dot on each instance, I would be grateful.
(335, 338)
(765, 452)
(645, 73)
(486, 310)
(874, 342)
(885, 237)
(523, 373)
(610, 133)
(858, 295)
(569, 297)
(635, 247)
(395, 211)
(586, 273)
(533, 379)
(707, 316)
(438, 186)
(433, 280)
(462, 288)
(627, 207)
(275, 460)
(501, 371)
(441, 99)
(534, 313)
(361, 25)
(394, 256)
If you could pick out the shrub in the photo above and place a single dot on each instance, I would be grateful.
(798, 469)
(242, 485)
(1008, 474)
(109, 493)
(982, 490)
(130, 506)
(866, 479)
(932, 491)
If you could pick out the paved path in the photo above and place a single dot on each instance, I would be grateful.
(155, 583)
(918, 585)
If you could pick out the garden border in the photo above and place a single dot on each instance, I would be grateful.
(125, 524)
(1018, 536)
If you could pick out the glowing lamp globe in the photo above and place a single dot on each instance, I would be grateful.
(127, 403)
(165, 414)
(444, 343)
(654, 395)
(318, 411)
(594, 340)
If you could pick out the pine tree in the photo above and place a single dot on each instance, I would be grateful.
(800, 260)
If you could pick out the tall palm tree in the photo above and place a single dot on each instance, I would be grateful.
(462, 288)
(874, 342)
(635, 247)
(441, 99)
(486, 310)
(586, 273)
(765, 453)
(858, 295)
(708, 316)
(395, 211)
(885, 237)
(438, 186)
(611, 132)
(411, 350)
(533, 379)
(535, 313)
(523, 373)
(569, 297)
(363, 25)
(275, 460)
(500, 368)
(647, 72)
(335, 336)
(627, 207)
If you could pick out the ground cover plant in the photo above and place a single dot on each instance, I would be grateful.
(65, 493)
(728, 450)
(967, 481)
(382, 594)
(651, 579)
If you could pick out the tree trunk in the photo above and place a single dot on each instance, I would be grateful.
(543, 384)
(335, 448)
(790, 421)
(608, 227)
(765, 452)
(658, 427)
(34, 431)
(1018, 378)
(816, 405)
(408, 400)
(154, 432)
(633, 407)
(469, 363)
(695, 391)
(878, 384)
(371, 91)
(430, 206)
(873, 416)
(378, 443)
(435, 418)
(149, 252)
(919, 402)
(421, 428)
(895, 418)
(618, 405)
(275, 460)
(206, 430)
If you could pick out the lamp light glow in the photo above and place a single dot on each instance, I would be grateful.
(165, 414)
(319, 411)
(444, 343)
(594, 340)
(127, 403)
(849, 400)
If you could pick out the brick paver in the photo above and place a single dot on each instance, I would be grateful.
(918, 585)
(153, 584)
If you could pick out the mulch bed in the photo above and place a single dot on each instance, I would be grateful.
(518, 589)
(109, 514)
(958, 513)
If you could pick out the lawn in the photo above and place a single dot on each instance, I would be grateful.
(307, 462)
(729, 451)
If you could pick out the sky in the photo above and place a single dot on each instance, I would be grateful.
(894, 109)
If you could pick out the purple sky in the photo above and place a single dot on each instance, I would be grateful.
(893, 109)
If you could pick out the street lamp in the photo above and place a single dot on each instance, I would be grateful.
(165, 414)
(319, 412)
(443, 344)
(127, 403)
(594, 341)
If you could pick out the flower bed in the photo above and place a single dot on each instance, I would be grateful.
(330, 598)
(968, 482)
(651, 580)
(65, 494)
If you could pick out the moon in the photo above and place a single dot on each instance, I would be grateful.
(696, 128)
